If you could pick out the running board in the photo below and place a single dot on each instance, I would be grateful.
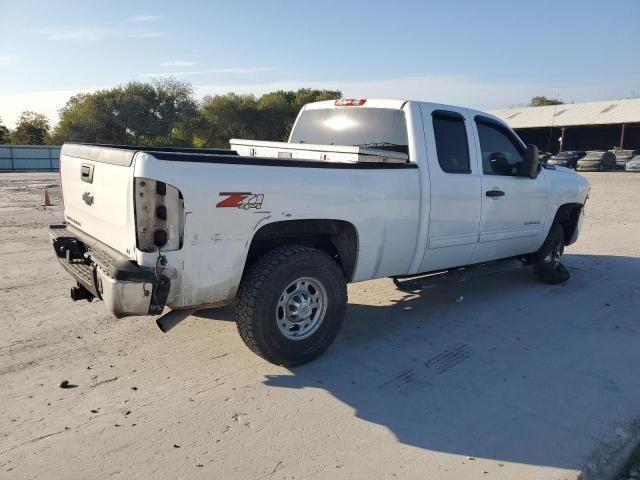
(421, 281)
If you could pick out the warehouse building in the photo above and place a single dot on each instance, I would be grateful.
(578, 126)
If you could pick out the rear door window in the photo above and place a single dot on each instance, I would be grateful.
(451, 142)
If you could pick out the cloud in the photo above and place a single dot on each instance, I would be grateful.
(6, 60)
(90, 34)
(177, 63)
(211, 71)
(457, 90)
(145, 18)
(45, 102)
(440, 89)
(146, 35)
(447, 89)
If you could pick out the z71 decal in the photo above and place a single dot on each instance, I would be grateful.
(243, 200)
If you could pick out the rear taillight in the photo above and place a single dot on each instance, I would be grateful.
(159, 211)
(351, 102)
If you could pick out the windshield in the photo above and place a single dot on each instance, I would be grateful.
(382, 128)
(564, 154)
(594, 156)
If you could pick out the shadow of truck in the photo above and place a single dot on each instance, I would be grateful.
(517, 371)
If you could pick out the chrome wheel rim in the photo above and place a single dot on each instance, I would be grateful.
(301, 308)
(554, 256)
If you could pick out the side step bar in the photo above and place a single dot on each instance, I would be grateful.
(421, 281)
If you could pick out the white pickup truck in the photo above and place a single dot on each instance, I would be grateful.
(363, 189)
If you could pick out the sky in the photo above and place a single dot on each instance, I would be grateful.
(478, 53)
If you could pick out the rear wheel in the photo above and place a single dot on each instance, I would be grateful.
(290, 305)
(546, 264)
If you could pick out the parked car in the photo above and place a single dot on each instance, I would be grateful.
(544, 156)
(633, 165)
(363, 189)
(568, 158)
(596, 161)
(623, 156)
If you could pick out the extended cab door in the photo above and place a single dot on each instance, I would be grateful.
(513, 207)
(455, 185)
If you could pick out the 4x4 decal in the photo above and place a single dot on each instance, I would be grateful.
(243, 200)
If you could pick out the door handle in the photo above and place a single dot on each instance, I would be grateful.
(86, 173)
(495, 193)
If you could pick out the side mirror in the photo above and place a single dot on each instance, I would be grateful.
(531, 163)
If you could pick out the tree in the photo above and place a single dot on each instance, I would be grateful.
(158, 113)
(177, 111)
(32, 128)
(541, 101)
(89, 118)
(269, 117)
(227, 116)
(164, 112)
(5, 136)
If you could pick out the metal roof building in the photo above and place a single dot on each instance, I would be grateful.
(584, 126)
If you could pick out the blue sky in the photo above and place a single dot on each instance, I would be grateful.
(485, 54)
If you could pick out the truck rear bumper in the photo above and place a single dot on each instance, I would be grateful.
(100, 272)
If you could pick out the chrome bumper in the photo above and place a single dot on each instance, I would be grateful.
(102, 273)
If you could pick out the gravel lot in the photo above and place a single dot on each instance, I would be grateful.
(519, 380)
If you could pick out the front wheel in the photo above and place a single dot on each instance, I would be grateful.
(290, 305)
(546, 264)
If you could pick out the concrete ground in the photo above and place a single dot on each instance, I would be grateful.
(515, 380)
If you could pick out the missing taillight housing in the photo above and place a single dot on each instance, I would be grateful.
(160, 238)
(159, 213)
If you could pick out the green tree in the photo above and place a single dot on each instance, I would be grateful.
(158, 113)
(89, 118)
(227, 116)
(541, 101)
(177, 111)
(32, 128)
(164, 112)
(269, 117)
(5, 136)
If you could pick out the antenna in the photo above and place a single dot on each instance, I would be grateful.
(553, 119)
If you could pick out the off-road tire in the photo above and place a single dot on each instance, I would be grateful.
(543, 267)
(262, 286)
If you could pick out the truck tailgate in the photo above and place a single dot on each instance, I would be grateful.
(97, 187)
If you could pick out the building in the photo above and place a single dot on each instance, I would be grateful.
(581, 126)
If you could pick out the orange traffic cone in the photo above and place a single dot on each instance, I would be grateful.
(47, 201)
